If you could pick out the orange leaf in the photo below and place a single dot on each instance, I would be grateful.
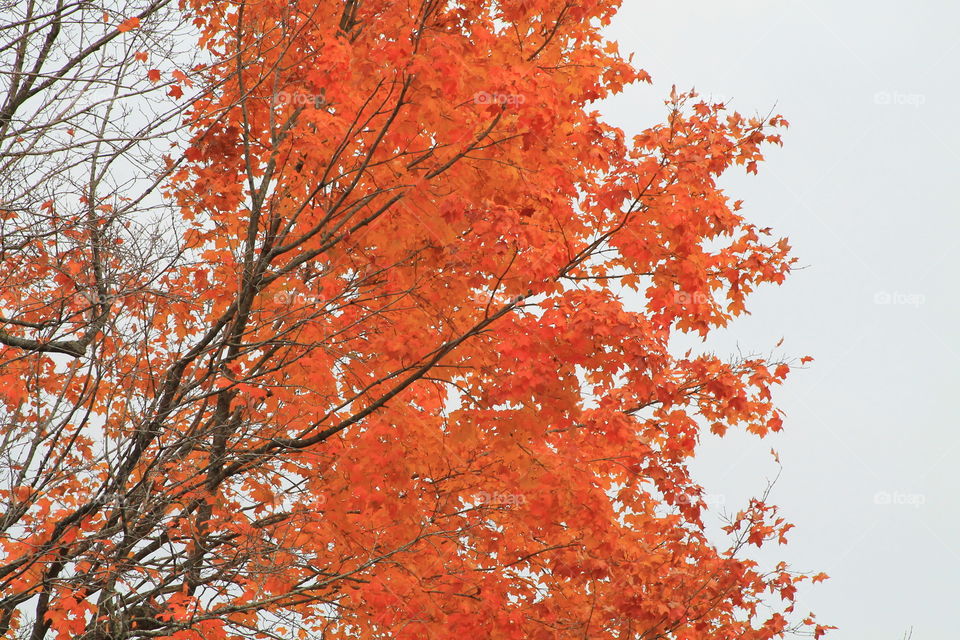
(129, 24)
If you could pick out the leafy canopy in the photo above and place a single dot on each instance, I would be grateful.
(402, 368)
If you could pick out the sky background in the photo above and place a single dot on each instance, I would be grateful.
(865, 189)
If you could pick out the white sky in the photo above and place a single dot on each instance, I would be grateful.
(863, 187)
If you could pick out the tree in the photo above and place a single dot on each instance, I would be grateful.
(368, 335)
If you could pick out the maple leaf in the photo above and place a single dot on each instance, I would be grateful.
(129, 25)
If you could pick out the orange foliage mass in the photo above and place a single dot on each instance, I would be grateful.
(410, 376)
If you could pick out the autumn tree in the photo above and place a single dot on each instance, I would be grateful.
(352, 319)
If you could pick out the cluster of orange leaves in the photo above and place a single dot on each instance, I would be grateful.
(577, 251)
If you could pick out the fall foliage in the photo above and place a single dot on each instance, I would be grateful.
(363, 329)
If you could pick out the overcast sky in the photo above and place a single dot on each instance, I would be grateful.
(865, 188)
